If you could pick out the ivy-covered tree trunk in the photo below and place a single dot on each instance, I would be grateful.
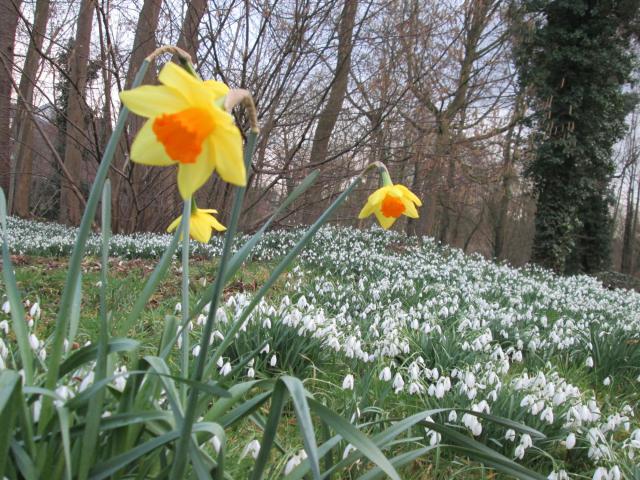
(574, 62)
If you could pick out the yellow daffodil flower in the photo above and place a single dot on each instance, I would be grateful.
(389, 202)
(186, 127)
(201, 223)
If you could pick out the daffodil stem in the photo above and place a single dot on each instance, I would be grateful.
(180, 461)
(186, 214)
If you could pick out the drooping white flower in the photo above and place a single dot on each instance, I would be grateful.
(570, 442)
(347, 383)
(252, 448)
(385, 374)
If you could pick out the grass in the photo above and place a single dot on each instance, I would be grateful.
(357, 302)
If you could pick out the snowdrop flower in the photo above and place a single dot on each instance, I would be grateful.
(4, 326)
(559, 475)
(453, 416)
(35, 310)
(385, 374)
(226, 369)
(519, 452)
(570, 442)
(398, 383)
(607, 381)
(251, 372)
(215, 442)
(178, 308)
(589, 362)
(252, 448)
(510, 435)
(347, 383)
(265, 349)
(195, 351)
(34, 342)
(273, 360)
(601, 473)
(347, 451)
(6, 307)
(295, 460)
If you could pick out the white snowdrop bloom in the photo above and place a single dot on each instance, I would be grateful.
(295, 460)
(398, 383)
(220, 362)
(415, 388)
(547, 415)
(265, 349)
(195, 351)
(86, 381)
(615, 473)
(347, 383)
(34, 343)
(519, 452)
(4, 351)
(37, 408)
(251, 373)
(35, 311)
(453, 416)
(6, 307)
(215, 443)
(525, 440)
(559, 475)
(607, 381)
(252, 448)
(226, 369)
(570, 442)
(348, 450)
(178, 308)
(120, 381)
(42, 354)
(589, 362)
(601, 473)
(510, 435)
(4, 326)
(385, 374)
(273, 360)
(266, 323)
(517, 356)
(201, 319)
(470, 380)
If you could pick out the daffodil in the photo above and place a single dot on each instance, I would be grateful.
(186, 127)
(389, 202)
(201, 223)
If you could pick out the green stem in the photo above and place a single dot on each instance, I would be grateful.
(180, 460)
(186, 216)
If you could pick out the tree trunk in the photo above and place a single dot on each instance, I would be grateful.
(8, 23)
(20, 187)
(329, 114)
(144, 42)
(189, 34)
(629, 234)
(70, 207)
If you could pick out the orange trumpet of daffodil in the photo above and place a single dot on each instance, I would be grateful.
(201, 224)
(186, 127)
(389, 202)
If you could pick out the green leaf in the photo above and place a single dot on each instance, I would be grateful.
(63, 416)
(278, 397)
(299, 398)
(398, 462)
(10, 383)
(17, 310)
(89, 354)
(355, 437)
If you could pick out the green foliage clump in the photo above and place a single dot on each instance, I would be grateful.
(574, 60)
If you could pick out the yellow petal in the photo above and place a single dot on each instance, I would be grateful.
(152, 101)
(189, 86)
(191, 176)
(410, 195)
(147, 150)
(199, 230)
(174, 224)
(376, 197)
(217, 89)
(226, 146)
(366, 210)
(216, 225)
(409, 208)
(385, 222)
(208, 210)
